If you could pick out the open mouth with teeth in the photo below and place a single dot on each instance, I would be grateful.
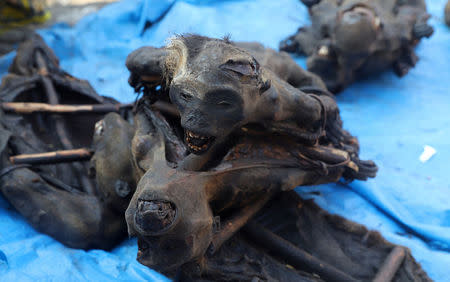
(196, 143)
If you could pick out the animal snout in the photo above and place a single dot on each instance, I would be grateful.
(154, 217)
(195, 119)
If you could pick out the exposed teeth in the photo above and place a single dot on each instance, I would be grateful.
(196, 148)
(197, 142)
(193, 135)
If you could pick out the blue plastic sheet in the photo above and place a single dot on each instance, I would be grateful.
(408, 202)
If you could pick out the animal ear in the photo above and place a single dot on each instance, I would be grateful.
(242, 67)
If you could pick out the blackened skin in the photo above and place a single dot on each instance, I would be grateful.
(352, 39)
(346, 245)
(51, 197)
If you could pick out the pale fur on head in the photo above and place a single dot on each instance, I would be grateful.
(179, 53)
(176, 59)
(176, 62)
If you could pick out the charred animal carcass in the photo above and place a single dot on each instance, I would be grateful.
(222, 128)
(41, 113)
(243, 133)
(353, 39)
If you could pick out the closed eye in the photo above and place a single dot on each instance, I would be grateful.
(224, 103)
(185, 96)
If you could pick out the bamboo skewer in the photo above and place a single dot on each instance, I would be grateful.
(55, 157)
(29, 108)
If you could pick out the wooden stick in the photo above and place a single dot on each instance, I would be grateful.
(29, 108)
(293, 255)
(390, 266)
(233, 225)
(55, 157)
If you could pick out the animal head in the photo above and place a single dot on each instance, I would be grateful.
(211, 82)
(357, 29)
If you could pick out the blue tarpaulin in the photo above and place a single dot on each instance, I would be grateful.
(394, 118)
